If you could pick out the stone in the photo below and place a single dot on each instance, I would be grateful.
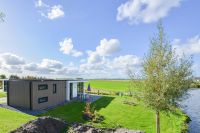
(42, 125)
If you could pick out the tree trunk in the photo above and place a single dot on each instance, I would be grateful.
(157, 122)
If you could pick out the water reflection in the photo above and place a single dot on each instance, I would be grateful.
(191, 106)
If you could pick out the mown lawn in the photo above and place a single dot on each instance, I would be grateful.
(10, 120)
(117, 113)
(3, 94)
(109, 85)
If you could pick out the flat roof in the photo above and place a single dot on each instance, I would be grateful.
(46, 80)
(4, 79)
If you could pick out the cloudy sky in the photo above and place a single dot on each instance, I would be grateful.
(92, 39)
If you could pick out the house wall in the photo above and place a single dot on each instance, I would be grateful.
(19, 94)
(53, 99)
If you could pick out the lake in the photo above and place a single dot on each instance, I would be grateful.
(191, 106)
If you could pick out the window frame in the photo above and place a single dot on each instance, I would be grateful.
(54, 88)
(45, 99)
(42, 85)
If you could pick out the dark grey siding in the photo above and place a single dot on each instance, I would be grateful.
(19, 94)
(53, 98)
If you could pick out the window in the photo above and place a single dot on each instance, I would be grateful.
(54, 88)
(43, 87)
(80, 87)
(42, 99)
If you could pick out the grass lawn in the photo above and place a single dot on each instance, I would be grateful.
(117, 113)
(10, 120)
(109, 85)
(3, 94)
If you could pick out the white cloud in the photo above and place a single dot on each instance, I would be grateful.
(105, 67)
(93, 57)
(40, 3)
(11, 59)
(190, 47)
(111, 68)
(50, 12)
(45, 66)
(108, 47)
(53, 64)
(125, 61)
(11, 63)
(105, 48)
(31, 67)
(55, 12)
(146, 11)
(67, 47)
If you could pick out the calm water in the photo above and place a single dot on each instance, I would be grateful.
(191, 106)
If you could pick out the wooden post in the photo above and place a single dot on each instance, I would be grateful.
(3, 85)
(157, 122)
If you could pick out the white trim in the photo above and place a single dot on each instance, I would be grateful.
(76, 81)
(3, 83)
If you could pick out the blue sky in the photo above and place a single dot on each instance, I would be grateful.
(91, 39)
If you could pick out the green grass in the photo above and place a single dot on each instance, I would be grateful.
(3, 94)
(10, 120)
(116, 113)
(71, 112)
(109, 85)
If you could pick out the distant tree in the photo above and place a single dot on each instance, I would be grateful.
(2, 76)
(30, 77)
(166, 76)
(13, 77)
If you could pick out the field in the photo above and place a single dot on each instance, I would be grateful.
(3, 94)
(10, 120)
(109, 85)
(117, 113)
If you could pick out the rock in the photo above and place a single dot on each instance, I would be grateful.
(80, 128)
(53, 125)
(123, 130)
(42, 125)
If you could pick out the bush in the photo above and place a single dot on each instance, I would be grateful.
(87, 113)
(129, 103)
(97, 118)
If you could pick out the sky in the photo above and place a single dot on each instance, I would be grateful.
(92, 39)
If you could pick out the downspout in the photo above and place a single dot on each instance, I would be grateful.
(31, 95)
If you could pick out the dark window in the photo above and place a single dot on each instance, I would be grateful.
(43, 87)
(54, 88)
(42, 99)
(80, 87)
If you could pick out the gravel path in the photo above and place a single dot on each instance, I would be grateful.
(3, 100)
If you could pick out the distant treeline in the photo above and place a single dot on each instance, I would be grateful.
(195, 84)
(16, 77)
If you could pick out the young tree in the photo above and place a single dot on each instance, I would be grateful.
(166, 76)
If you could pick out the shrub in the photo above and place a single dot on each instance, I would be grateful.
(97, 117)
(87, 113)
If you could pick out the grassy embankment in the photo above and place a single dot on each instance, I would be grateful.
(110, 87)
(3, 94)
(10, 120)
(116, 113)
